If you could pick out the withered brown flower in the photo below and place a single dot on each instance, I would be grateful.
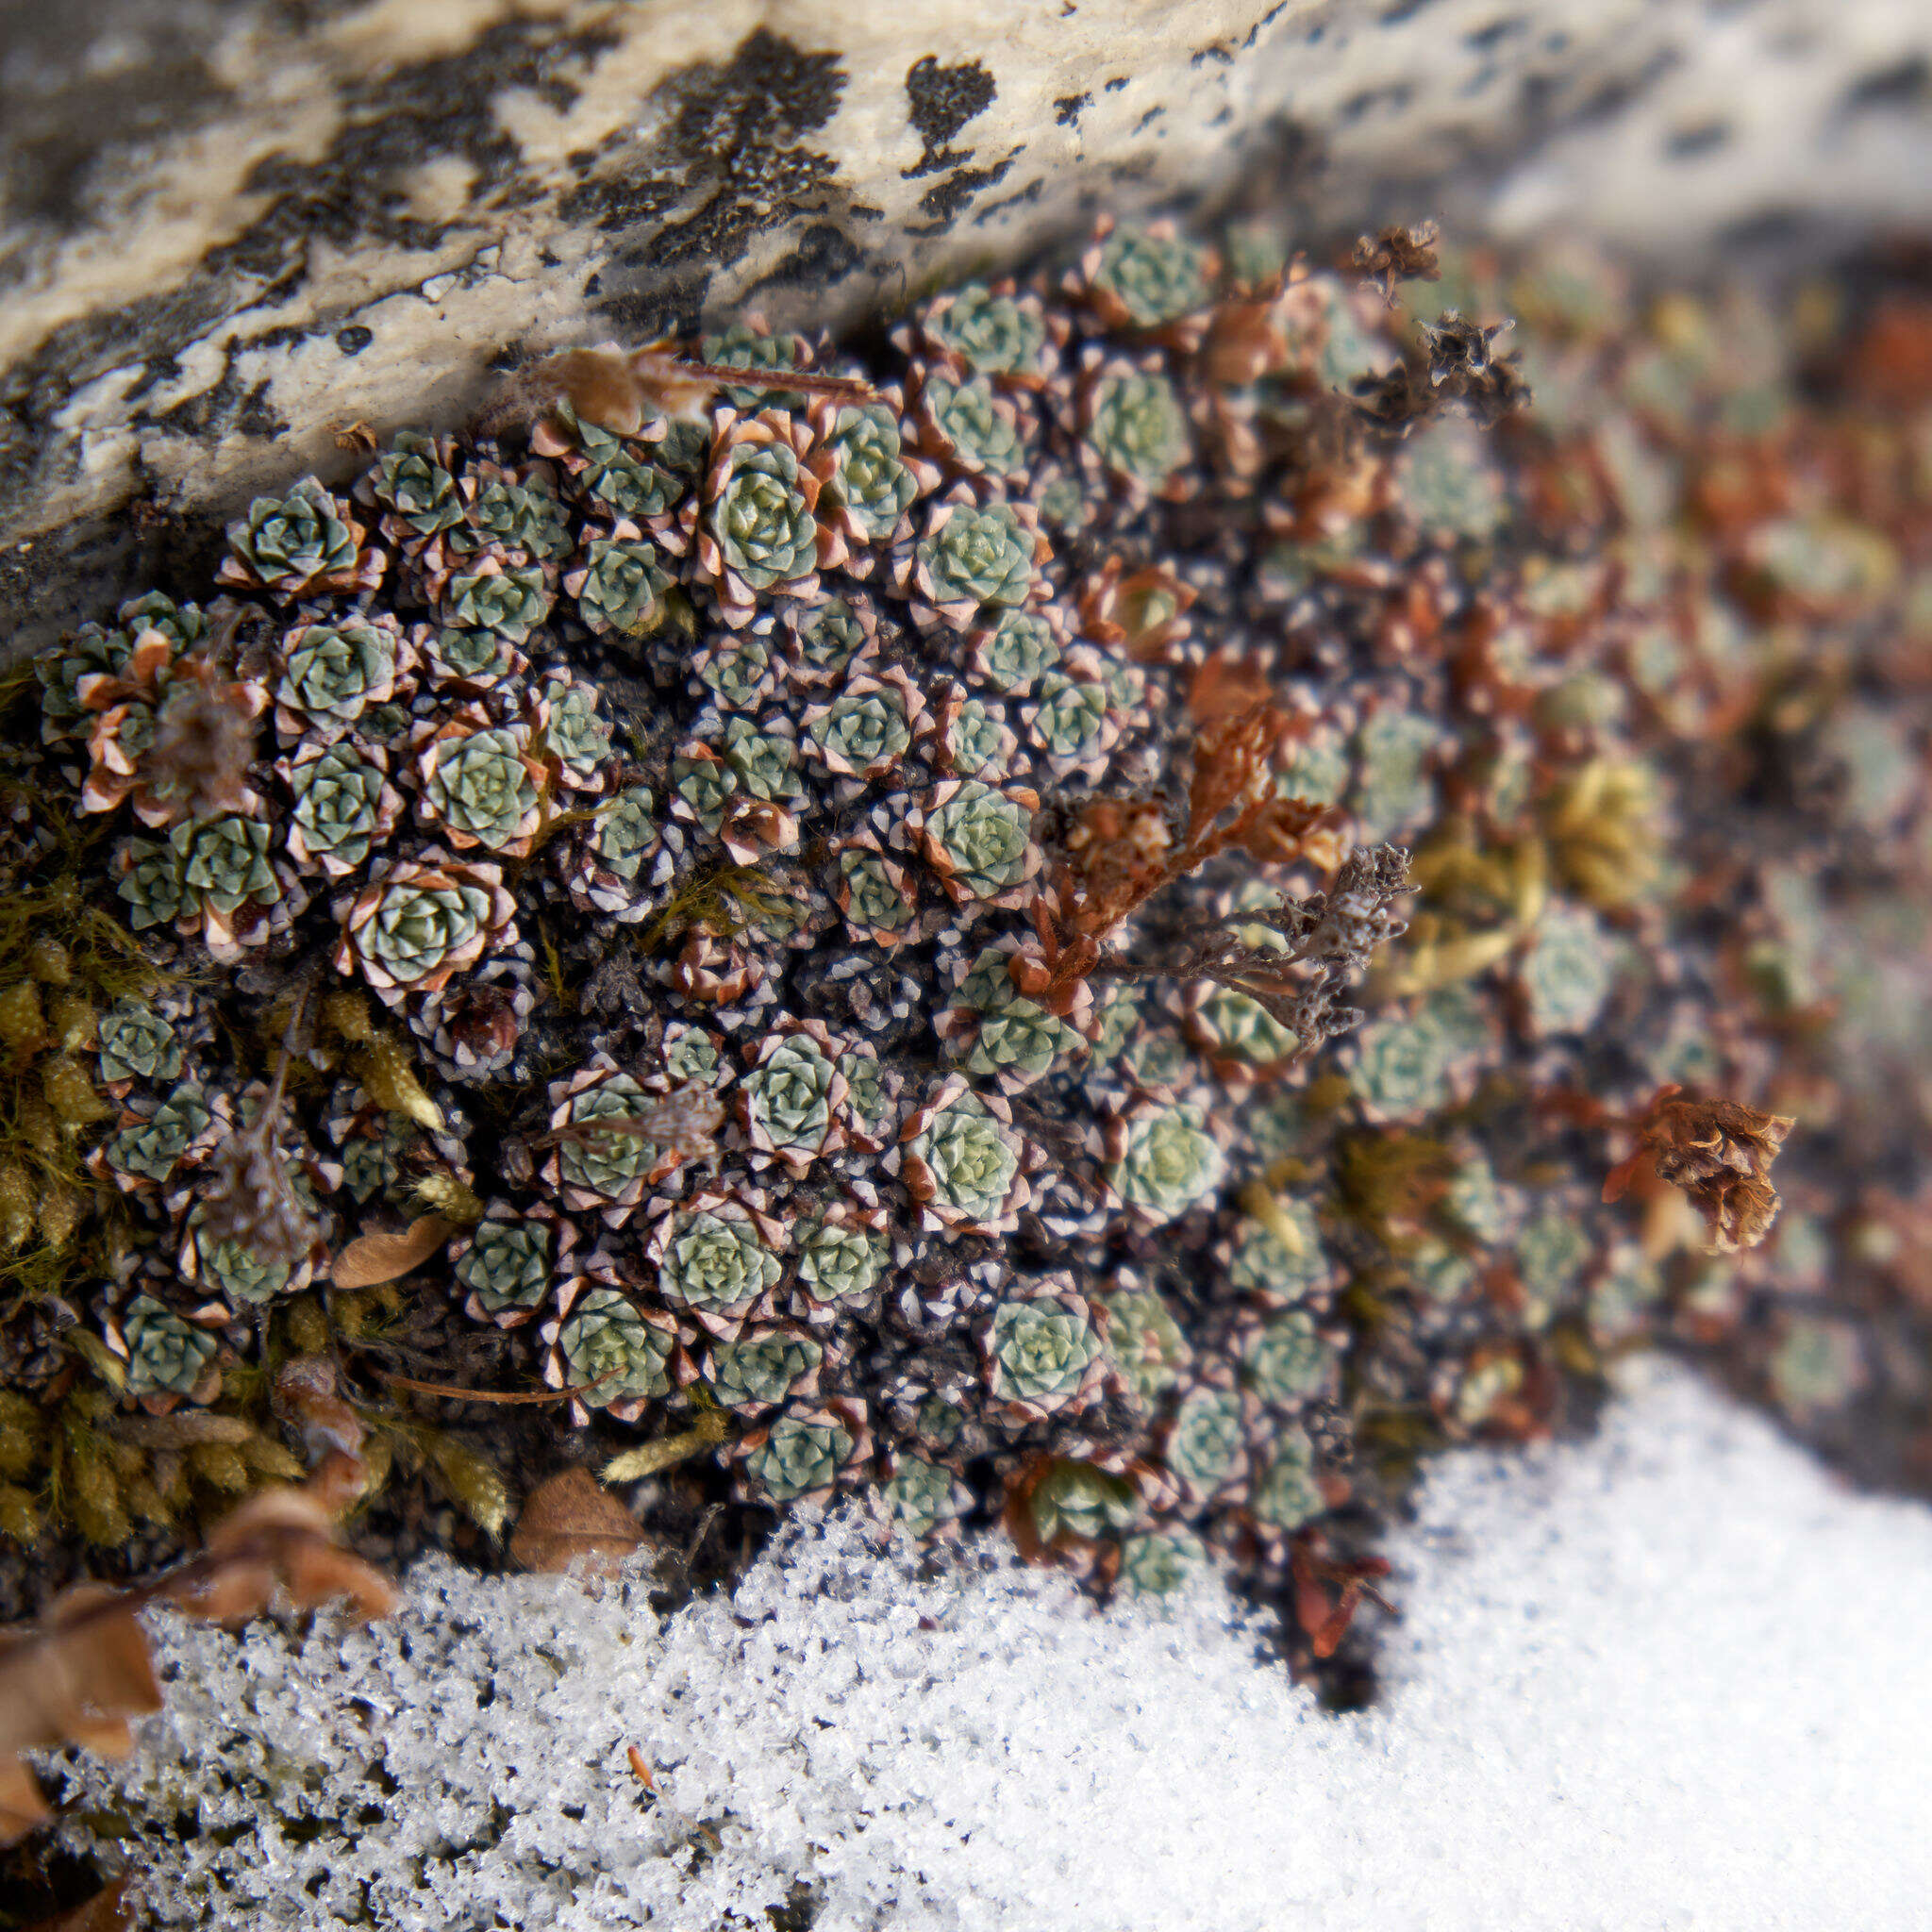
(1719, 1152)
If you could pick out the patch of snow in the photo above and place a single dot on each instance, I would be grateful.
(1676, 1677)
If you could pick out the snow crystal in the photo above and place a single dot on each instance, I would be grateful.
(1675, 1678)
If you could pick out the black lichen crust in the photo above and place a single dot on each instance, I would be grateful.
(738, 783)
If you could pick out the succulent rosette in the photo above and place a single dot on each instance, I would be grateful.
(1016, 648)
(737, 671)
(990, 329)
(149, 879)
(615, 861)
(305, 544)
(1141, 614)
(1151, 279)
(1069, 1509)
(1203, 1446)
(622, 583)
(761, 1367)
(131, 712)
(1281, 1260)
(765, 757)
(794, 1095)
(509, 1262)
(962, 1160)
(1404, 1067)
(754, 523)
(1144, 1344)
(613, 475)
(1163, 1162)
(418, 923)
(520, 517)
(1287, 1360)
(978, 840)
(344, 806)
(606, 1157)
(747, 343)
(868, 481)
(972, 738)
(471, 1028)
(830, 636)
(841, 1255)
(1071, 722)
(1567, 972)
(328, 676)
(919, 1498)
(479, 784)
(413, 485)
(1160, 1563)
(1134, 426)
(1238, 1034)
(155, 1139)
(93, 653)
(803, 1457)
(969, 557)
(229, 1268)
(1043, 1354)
(715, 1259)
(231, 888)
(969, 427)
(876, 893)
(866, 730)
(167, 1360)
(995, 1030)
(617, 1356)
(510, 600)
(702, 785)
(1285, 1495)
(871, 1097)
(465, 664)
(136, 1042)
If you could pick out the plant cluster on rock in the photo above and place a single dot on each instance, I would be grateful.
(837, 907)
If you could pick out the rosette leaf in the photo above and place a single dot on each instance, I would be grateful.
(1043, 1356)
(165, 1356)
(302, 544)
(345, 807)
(421, 921)
(1165, 1162)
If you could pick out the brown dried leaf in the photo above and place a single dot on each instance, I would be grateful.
(373, 1258)
(571, 1517)
(75, 1679)
(289, 1532)
(21, 1807)
(316, 1572)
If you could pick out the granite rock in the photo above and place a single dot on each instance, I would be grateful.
(230, 229)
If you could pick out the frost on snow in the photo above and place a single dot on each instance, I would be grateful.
(1672, 1678)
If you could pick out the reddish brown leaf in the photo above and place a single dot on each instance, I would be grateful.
(373, 1258)
(572, 1517)
(21, 1807)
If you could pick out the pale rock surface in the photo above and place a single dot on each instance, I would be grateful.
(1674, 1677)
(228, 226)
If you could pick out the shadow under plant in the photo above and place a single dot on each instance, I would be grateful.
(802, 928)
